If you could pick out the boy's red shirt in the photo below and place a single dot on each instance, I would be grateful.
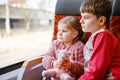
(102, 55)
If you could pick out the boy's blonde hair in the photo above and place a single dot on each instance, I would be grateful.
(73, 24)
(98, 8)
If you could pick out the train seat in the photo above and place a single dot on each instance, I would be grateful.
(115, 19)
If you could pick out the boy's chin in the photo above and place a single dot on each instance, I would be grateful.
(84, 30)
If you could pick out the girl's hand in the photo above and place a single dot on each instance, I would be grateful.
(67, 64)
(56, 64)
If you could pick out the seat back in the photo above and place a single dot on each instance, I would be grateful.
(31, 69)
(67, 8)
(115, 19)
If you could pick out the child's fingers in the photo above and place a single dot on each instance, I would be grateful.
(67, 65)
(56, 64)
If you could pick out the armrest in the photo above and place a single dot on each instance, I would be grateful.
(31, 69)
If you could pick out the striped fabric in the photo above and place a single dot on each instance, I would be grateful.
(115, 26)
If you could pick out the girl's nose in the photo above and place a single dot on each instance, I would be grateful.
(59, 33)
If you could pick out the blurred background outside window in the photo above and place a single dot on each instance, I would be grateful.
(25, 29)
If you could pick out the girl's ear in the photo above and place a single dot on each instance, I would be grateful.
(102, 20)
(75, 34)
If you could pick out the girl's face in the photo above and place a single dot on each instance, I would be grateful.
(89, 22)
(65, 35)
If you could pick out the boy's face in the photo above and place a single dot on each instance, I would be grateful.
(89, 22)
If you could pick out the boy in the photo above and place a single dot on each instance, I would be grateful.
(102, 50)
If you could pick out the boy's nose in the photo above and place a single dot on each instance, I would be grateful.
(81, 20)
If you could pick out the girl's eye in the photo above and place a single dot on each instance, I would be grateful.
(64, 31)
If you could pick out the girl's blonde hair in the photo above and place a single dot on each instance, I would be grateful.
(73, 24)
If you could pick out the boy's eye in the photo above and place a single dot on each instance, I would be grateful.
(86, 17)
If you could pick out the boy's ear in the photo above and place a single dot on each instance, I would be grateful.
(102, 20)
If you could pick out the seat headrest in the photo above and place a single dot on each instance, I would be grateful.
(116, 8)
(68, 7)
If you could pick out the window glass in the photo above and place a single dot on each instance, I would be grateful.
(25, 29)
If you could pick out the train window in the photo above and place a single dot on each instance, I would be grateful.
(25, 29)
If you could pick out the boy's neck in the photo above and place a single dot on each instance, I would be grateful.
(101, 27)
(101, 30)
